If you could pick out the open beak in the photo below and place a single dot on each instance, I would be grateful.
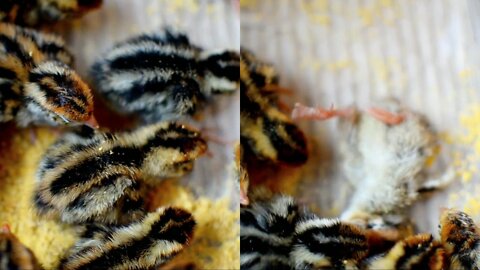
(92, 122)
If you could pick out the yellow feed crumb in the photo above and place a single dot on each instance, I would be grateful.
(185, 5)
(367, 15)
(466, 157)
(467, 201)
(317, 11)
(248, 3)
(216, 243)
(19, 157)
(465, 74)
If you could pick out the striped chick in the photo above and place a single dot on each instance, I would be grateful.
(144, 244)
(101, 176)
(37, 84)
(461, 239)
(163, 76)
(266, 230)
(322, 243)
(418, 252)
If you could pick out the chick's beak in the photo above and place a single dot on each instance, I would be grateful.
(92, 122)
(243, 194)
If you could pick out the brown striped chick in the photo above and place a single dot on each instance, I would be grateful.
(461, 239)
(266, 231)
(418, 252)
(37, 85)
(101, 177)
(323, 243)
(13, 254)
(266, 133)
(144, 244)
(35, 12)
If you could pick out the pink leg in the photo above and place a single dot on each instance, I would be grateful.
(211, 136)
(309, 113)
(386, 116)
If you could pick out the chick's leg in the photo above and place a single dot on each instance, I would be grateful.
(386, 116)
(310, 113)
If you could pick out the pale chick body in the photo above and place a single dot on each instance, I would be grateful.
(386, 163)
(146, 243)
(266, 133)
(101, 176)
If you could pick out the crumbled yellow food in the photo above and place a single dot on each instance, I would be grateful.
(466, 157)
(465, 74)
(317, 11)
(20, 153)
(216, 242)
(367, 15)
(182, 5)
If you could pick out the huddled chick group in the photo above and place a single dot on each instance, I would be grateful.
(95, 179)
(277, 234)
(385, 151)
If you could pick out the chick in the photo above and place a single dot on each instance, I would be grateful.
(266, 233)
(13, 254)
(323, 243)
(163, 76)
(266, 132)
(35, 12)
(37, 84)
(143, 244)
(461, 240)
(385, 154)
(418, 252)
(101, 177)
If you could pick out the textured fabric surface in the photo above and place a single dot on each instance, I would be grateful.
(424, 52)
(209, 192)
